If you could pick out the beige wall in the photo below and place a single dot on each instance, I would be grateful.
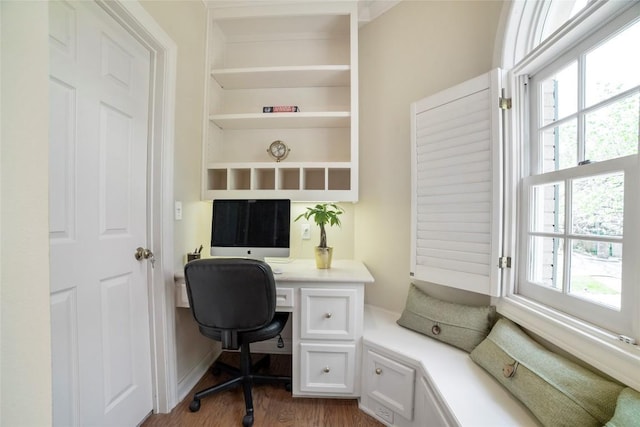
(185, 22)
(25, 348)
(415, 49)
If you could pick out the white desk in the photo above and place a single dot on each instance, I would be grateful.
(327, 315)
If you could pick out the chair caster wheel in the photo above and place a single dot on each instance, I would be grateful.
(287, 387)
(247, 420)
(194, 406)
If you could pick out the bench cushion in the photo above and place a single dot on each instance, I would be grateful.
(627, 410)
(558, 392)
(460, 325)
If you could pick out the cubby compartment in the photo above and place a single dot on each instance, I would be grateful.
(314, 179)
(339, 179)
(265, 179)
(217, 179)
(240, 179)
(289, 179)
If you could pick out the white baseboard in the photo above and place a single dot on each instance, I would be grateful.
(191, 379)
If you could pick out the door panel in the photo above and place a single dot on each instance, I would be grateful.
(98, 216)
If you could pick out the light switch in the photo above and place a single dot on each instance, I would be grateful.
(178, 210)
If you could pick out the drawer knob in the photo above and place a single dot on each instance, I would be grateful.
(326, 370)
(328, 315)
(378, 371)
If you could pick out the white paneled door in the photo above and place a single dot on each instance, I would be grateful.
(99, 95)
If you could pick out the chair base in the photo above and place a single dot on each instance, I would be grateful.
(241, 377)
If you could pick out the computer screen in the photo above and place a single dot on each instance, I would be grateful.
(250, 228)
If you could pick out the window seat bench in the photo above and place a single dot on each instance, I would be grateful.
(409, 379)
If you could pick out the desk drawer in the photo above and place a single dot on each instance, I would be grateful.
(328, 314)
(284, 298)
(327, 368)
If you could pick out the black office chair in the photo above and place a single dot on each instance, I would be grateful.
(234, 301)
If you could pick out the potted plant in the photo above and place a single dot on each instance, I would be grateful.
(323, 214)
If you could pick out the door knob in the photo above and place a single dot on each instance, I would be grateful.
(144, 253)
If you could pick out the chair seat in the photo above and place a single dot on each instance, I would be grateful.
(267, 332)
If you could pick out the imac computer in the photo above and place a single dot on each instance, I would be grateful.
(250, 228)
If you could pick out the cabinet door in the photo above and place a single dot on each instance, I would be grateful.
(390, 383)
(428, 411)
(327, 368)
(328, 314)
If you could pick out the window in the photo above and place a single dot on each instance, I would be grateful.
(572, 188)
(580, 191)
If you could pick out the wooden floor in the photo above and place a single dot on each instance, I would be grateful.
(273, 405)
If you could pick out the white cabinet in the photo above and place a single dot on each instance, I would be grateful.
(397, 392)
(427, 408)
(324, 332)
(327, 368)
(328, 313)
(302, 55)
(328, 339)
(389, 387)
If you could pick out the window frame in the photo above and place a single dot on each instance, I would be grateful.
(619, 321)
(597, 346)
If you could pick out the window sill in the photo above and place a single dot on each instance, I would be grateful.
(600, 349)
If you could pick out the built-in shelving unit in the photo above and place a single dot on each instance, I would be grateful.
(271, 55)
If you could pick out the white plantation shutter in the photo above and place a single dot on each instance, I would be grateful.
(456, 186)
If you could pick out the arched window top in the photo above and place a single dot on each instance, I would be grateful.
(537, 25)
(555, 14)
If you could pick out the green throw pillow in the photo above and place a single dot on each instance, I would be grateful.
(460, 325)
(627, 410)
(557, 391)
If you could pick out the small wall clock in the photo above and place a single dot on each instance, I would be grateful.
(278, 150)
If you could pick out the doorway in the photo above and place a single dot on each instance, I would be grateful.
(114, 290)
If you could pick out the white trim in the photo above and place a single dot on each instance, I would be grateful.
(591, 19)
(600, 349)
(186, 384)
(521, 34)
(132, 16)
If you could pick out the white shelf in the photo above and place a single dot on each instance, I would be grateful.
(283, 77)
(278, 165)
(329, 119)
(269, 54)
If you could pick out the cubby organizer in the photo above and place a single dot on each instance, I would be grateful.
(293, 179)
(281, 55)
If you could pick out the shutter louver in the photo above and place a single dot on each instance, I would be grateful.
(456, 182)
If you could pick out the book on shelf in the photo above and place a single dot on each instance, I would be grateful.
(281, 109)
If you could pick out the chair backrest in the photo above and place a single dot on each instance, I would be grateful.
(231, 293)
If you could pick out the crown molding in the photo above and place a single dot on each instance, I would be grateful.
(368, 10)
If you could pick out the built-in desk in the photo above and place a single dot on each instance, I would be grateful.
(326, 324)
